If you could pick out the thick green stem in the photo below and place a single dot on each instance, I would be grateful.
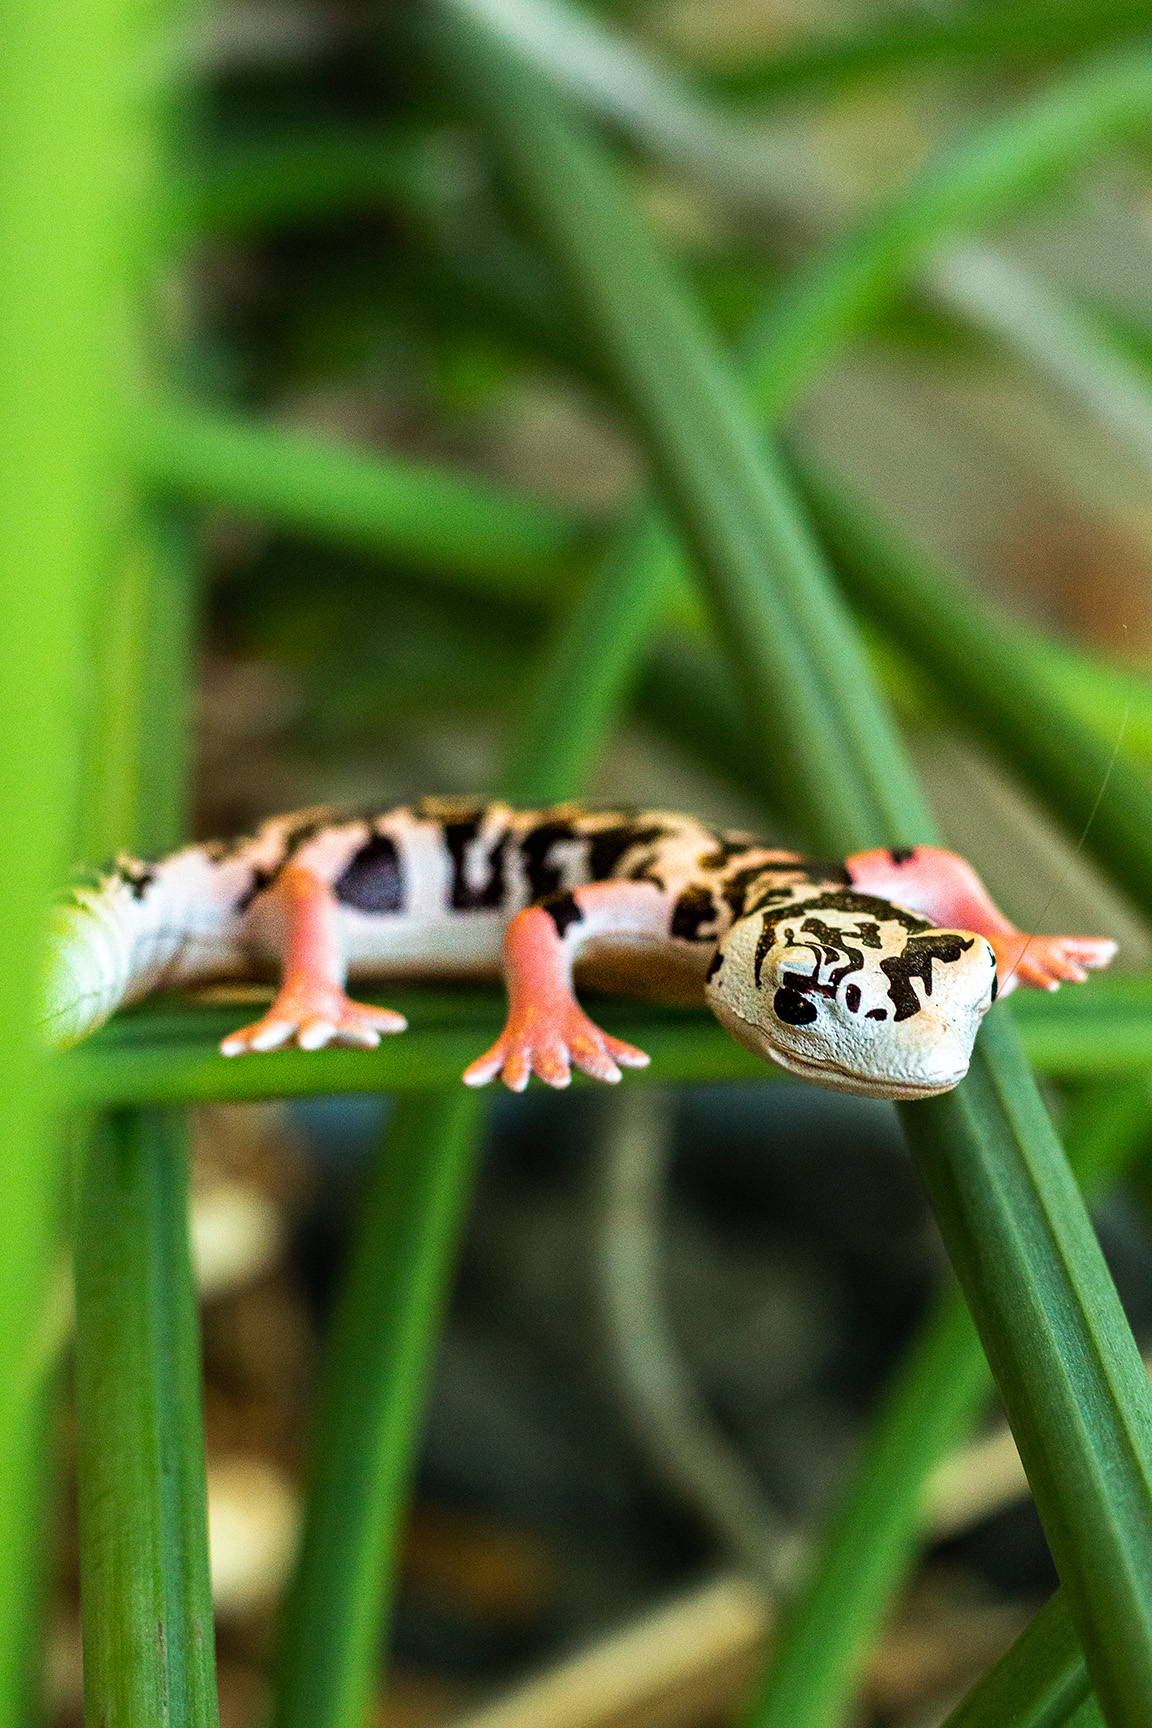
(147, 1602)
(873, 1537)
(69, 148)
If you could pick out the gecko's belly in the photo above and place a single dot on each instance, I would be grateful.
(465, 944)
(469, 945)
(655, 971)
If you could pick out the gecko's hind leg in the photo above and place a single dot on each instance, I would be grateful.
(311, 1006)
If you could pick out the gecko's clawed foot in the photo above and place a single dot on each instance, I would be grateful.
(313, 1015)
(1046, 962)
(545, 1040)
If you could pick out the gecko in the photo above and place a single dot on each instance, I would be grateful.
(869, 974)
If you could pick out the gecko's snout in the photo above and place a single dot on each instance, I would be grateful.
(858, 1004)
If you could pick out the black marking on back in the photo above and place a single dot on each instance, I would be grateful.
(543, 877)
(714, 966)
(459, 835)
(728, 846)
(901, 854)
(916, 962)
(563, 910)
(607, 846)
(372, 881)
(291, 842)
(136, 875)
(694, 908)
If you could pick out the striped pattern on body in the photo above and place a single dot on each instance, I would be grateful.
(426, 889)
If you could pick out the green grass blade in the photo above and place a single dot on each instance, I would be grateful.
(135, 795)
(872, 1539)
(982, 667)
(967, 184)
(1023, 31)
(146, 1594)
(1067, 1369)
(291, 177)
(387, 504)
(391, 1299)
(1014, 1221)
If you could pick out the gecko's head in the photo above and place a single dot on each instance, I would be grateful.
(851, 992)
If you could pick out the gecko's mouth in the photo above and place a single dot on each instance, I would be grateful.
(834, 1075)
(839, 1079)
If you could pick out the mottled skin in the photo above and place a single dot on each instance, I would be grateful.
(869, 974)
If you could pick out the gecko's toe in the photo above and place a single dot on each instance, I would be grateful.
(315, 1034)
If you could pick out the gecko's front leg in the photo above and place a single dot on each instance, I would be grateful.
(310, 1005)
(546, 1029)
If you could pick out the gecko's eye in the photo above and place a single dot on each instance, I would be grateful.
(793, 1008)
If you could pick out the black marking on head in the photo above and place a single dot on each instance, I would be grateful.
(901, 854)
(758, 885)
(694, 907)
(607, 846)
(714, 966)
(916, 962)
(563, 909)
(835, 900)
(995, 979)
(852, 998)
(372, 881)
(792, 1007)
(876, 1014)
(867, 933)
(458, 837)
(543, 877)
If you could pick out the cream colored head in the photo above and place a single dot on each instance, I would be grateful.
(854, 993)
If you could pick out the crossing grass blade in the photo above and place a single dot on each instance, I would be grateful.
(1021, 32)
(395, 506)
(1039, 1683)
(1009, 1211)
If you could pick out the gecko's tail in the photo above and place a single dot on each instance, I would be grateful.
(96, 954)
(135, 928)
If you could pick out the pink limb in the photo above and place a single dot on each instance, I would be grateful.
(310, 1006)
(946, 889)
(546, 1029)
